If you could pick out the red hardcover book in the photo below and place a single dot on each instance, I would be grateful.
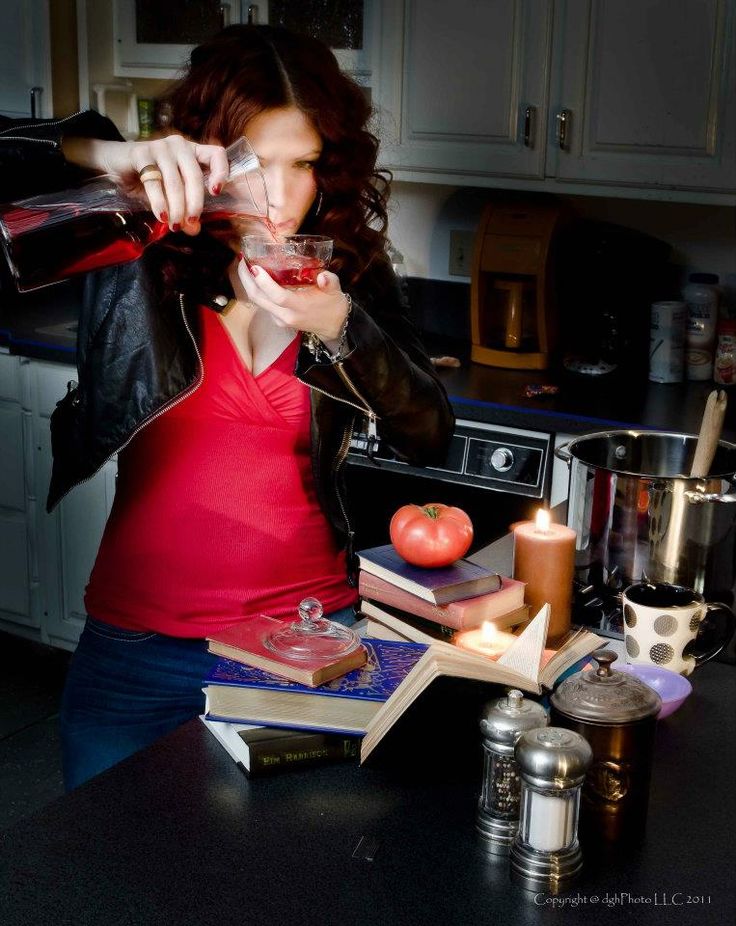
(460, 615)
(245, 643)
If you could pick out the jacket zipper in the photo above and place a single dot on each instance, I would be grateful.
(32, 125)
(164, 408)
(343, 452)
(36, 141)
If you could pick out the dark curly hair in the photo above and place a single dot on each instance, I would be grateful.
(247, 70)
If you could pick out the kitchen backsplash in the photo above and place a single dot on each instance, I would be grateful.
(702, 237)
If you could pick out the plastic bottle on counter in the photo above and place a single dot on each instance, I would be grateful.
(724, 371)
(667, 342)
(701, 298)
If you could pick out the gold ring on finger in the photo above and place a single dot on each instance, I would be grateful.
(150, 172)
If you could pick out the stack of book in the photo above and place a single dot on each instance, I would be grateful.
(435, 687)
(407, 675)
(404, 602)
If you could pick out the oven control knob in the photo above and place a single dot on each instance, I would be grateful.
(502, 459)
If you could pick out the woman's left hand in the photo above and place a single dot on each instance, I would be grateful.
(319, 309)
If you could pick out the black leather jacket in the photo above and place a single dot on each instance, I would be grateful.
(137, 354)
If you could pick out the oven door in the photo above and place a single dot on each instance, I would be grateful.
(498, 475)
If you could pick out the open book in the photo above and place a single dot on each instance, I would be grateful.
(525, 664)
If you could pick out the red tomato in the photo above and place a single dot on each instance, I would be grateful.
(431, 535)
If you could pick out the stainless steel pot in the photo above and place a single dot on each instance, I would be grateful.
(638, 515)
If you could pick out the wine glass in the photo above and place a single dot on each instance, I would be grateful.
(293, 261)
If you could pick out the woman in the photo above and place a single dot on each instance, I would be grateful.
(230, 400)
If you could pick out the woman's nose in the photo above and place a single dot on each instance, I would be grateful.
(276, 186)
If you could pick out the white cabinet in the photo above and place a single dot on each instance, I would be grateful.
(46, 558)
(647, 87)
(18, 582)
(462, 86)
(25, 58)
(570, 95)
(151, 40)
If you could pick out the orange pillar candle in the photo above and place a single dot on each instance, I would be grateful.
(544, 558)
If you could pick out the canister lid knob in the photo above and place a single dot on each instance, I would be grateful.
(605, 696)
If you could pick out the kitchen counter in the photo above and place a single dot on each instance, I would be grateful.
(176, 834)
(43, 326)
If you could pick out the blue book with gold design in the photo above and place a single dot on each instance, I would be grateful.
(237, 692)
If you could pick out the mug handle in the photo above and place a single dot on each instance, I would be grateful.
(715, 630)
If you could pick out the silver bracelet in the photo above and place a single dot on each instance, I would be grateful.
(317, 348)
(343, 339)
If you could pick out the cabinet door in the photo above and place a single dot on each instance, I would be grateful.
(25, 60)
(18, 561)
(153, 40)
(16, 553)
(647, 86)
(455, 82)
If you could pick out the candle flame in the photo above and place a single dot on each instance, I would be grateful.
(488, 633)
(543, 521)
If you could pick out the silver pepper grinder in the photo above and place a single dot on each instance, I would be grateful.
(502, 722)
(545, 855)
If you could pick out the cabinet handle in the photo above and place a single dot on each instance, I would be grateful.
(252, 14)
(529, 114)
(563, 119)
(224, 15)
(35, 101)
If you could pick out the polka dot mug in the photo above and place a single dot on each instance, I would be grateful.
(672, 626)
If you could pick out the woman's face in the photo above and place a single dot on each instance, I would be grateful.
(288, 147)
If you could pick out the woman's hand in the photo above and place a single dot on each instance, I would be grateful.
(319, 309)
(177, 198)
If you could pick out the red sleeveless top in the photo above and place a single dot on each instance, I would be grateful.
(215, 515)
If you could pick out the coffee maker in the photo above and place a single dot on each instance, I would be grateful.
(512, 309)
(607, 278)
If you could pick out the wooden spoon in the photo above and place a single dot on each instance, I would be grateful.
(710, 434)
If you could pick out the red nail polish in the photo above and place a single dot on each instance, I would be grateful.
(165, 218)
(193, 219)
(216, 189)
(176, 226)
(241, 256)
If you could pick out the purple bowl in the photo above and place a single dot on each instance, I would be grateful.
(670, 686)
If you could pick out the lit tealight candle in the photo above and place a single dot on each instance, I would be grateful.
(544, 558)
(486, 640)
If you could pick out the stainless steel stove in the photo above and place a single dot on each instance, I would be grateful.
(497, 474)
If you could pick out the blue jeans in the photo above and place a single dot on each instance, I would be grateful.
(126, 689)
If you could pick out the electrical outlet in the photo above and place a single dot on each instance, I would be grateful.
(461, 253)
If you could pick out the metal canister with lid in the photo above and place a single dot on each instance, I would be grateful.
(617, 714)
(502, 722)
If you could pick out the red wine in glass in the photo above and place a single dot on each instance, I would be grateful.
(299, 271)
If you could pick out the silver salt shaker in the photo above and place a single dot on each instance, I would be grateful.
(545, 855)
(502, 723)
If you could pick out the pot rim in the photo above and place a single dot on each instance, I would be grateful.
(637, 432)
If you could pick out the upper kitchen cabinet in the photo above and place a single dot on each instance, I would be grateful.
(623, 97)
(644, 93)
(153, 38)
(462, 87)
(25, 58)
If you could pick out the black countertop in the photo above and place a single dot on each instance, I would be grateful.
(177, 835)
(42, 325)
